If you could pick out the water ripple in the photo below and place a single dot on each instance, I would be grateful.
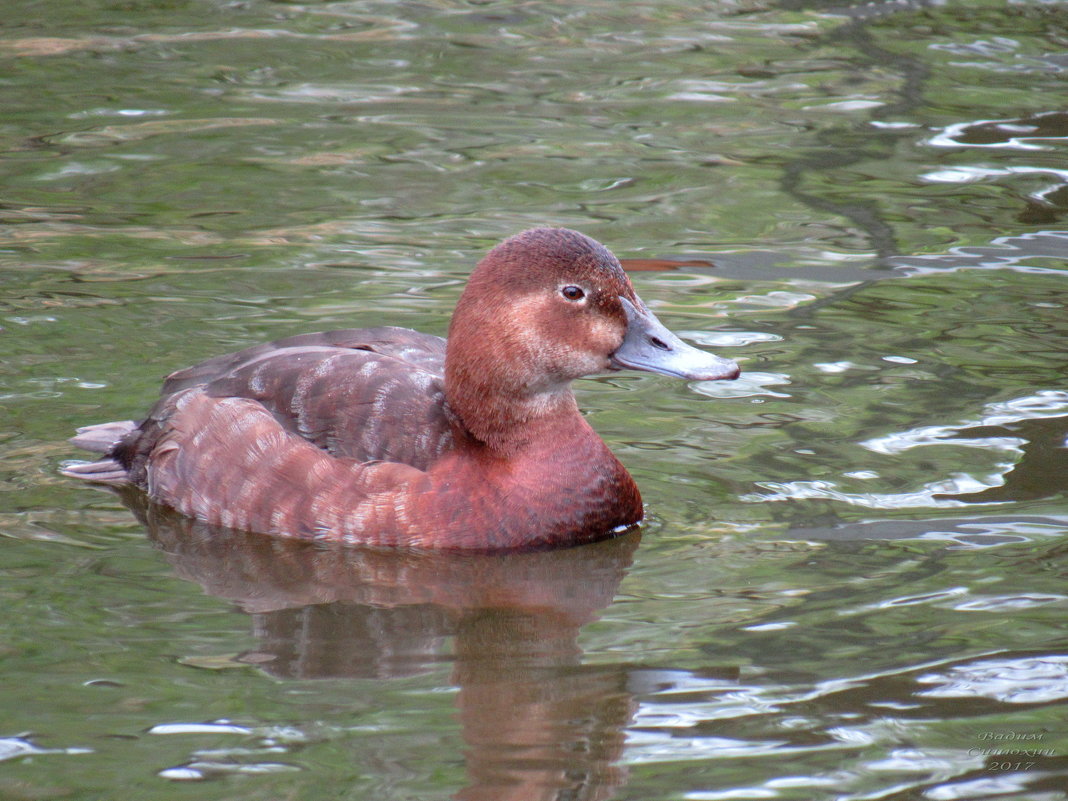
(16, 747)
(201, 770)
(1027, 680)
(951, 490)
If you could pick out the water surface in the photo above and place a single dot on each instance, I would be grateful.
(851, 580)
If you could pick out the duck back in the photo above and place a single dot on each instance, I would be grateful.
(369, 394)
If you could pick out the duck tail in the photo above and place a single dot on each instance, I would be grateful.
(100, 438)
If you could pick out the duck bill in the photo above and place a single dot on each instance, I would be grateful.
(648, 345)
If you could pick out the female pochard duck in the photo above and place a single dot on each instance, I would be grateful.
(390, 437)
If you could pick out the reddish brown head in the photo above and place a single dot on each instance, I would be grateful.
(543, 308)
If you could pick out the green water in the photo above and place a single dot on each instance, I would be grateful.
(851, 581)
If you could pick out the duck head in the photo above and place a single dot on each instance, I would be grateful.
(541, 309)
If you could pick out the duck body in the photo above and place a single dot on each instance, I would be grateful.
(390, 437)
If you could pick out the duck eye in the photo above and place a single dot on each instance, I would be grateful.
(573, 293)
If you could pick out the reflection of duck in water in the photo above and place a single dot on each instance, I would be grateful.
(537, 723)
(387, 436)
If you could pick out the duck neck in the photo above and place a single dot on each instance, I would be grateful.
(499, 399)
(506, 420)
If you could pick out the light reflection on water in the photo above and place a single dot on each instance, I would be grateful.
(944, 491)
(1025, 680)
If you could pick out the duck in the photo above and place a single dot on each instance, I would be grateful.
(388, 437)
